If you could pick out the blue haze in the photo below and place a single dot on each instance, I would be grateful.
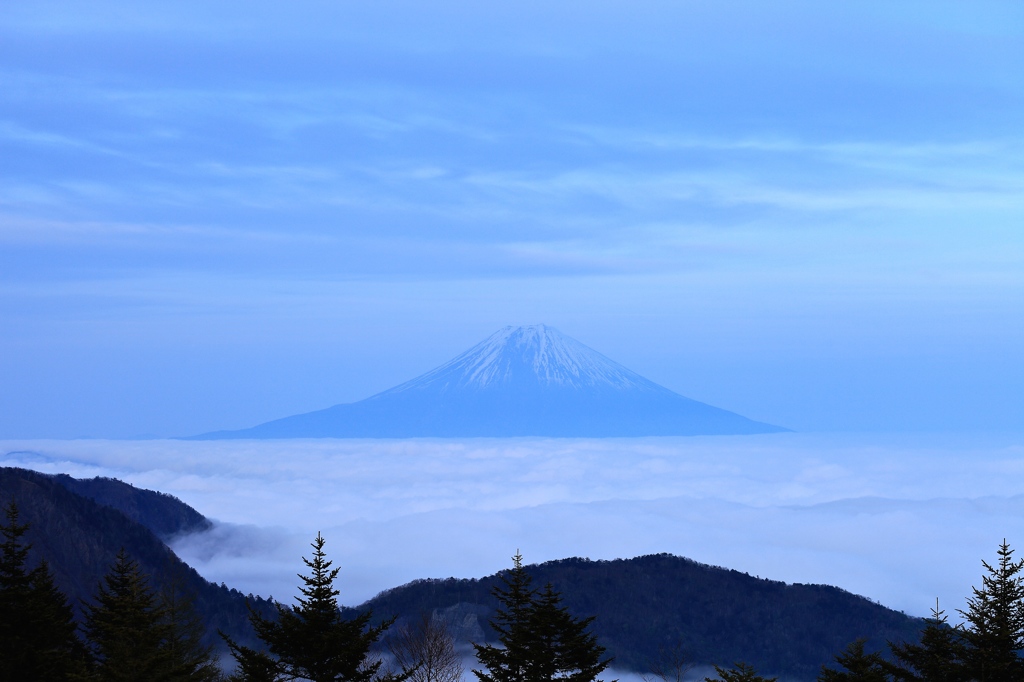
(808, 214)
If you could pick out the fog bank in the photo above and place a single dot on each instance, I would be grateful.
(900, 519)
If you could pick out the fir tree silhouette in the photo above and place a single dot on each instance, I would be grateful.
(993, 628)
(126, 627)
(311, 640)
(37, 627)
(541, 641)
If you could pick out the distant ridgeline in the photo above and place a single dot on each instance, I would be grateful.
(521, 381)
(644, 606)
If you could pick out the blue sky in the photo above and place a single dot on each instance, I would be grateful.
(810, 213)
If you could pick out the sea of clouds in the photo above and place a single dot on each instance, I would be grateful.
(901, 519)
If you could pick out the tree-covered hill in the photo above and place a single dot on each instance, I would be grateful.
(648, 606)
(645, 608)
(80, 537)
(163, 514)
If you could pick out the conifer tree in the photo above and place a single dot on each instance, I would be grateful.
(312, 641)
(541, 640)
(126, 627)
(857, 666)
(37, 628)
(938, 657)
(993, 628)
(512, 623)
(562, 649)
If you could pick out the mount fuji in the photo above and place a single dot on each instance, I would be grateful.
(520, 381)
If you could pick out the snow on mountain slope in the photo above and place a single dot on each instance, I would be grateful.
(535, 354)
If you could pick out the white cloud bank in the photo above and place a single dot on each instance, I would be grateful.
(900, 519)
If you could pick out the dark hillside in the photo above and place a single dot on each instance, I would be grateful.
(654, 603)
(80, 538)
(163, 514)
(644, 606)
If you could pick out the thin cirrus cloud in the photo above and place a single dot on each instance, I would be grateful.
(941, 179)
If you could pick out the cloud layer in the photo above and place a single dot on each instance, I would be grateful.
(898, 519)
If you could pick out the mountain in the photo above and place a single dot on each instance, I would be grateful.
(80, 537)
(161, 513)
(648, 607)
(521, 381)
(645, 607)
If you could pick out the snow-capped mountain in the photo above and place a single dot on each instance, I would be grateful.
(520, 381)
(538, 354)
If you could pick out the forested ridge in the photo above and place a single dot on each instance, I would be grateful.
(80, 539)
(652, 603)
(89, 591)
(163, 514)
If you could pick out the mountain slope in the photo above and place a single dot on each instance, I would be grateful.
(644, 606)
(163, 514)
(79, 538)
(521, 381)
(648, 606)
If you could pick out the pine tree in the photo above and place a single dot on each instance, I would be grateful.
(561, 647)
(126, 627)
(541, 640)
(512, 623)
(741, 672)
(993, 630)
(857, 665)
(37, 628)
(312, 641)
(938, 657)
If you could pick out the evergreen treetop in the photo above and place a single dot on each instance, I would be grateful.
(857, 666)
(563, 647)
(511, 621)
(311, 641)
(13, 553)
(937, 657)
(541, 641)
(126, 627)
(993, 628)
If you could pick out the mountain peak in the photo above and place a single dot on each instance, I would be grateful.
(519, 381)
(535, 355)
